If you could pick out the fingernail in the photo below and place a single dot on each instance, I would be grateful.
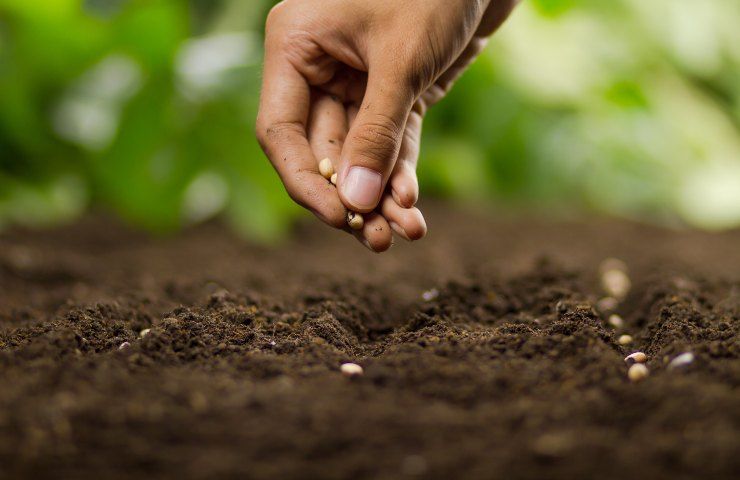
(397, 228)
(361, 186)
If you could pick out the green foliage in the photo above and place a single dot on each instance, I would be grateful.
(147, 107)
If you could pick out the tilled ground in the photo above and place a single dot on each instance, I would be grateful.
(485, 355)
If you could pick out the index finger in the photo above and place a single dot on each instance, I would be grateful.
(281, 131)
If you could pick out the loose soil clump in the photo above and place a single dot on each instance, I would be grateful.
(486, 351)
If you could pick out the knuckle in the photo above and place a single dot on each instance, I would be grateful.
(291, 26)
(297, 40)
(270, 134)
(300, 48)
(378, 138)
(275, 15)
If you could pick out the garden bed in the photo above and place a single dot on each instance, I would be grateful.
(484, 353)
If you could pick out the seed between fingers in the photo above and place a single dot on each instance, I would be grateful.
(355, 220)
(326, 168)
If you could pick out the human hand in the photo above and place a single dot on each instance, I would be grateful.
(351, 80)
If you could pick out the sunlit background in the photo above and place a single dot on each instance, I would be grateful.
(146, 108)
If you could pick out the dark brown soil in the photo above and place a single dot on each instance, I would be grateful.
(508, 373)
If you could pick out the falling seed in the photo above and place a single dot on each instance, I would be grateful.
(681, 360)
(326, 168)
(637, 372)
(430, 295)
(124, 346)
(616, 321)
(333, 178)
(351, 370)
(616, 283)
(607, 304)
(355, 220)
(624, 339)
(144, 332)
(637, 357)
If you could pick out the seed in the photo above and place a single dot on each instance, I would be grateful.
(681, 360)
(333, 178)
(144, 332)
(637, 372)
(616, 321)
(616, 283)
(624, 339)
(326, 169)
(124, 346)
(637, 357)
(351, 370)
(355, 220)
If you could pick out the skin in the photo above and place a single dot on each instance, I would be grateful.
(351, 80)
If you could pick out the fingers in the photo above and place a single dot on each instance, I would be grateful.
(404, 185)
(281, 130)
(327, 127)
(408, 223)
(373, 143)
(376, 233)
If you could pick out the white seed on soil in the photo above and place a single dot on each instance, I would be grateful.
(124, 346)
(326, 169)
(637, 357)
(681, 360)
(624, 339)
(333, 179)
(355, 220)
(616, 283)
(616, 321)
(351, 370)
(637, 372)
(144, 332)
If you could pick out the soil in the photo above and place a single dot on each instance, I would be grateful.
(485, 354)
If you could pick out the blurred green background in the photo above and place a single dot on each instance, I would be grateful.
(146, 107)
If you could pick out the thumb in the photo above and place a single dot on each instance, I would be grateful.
(372, 144)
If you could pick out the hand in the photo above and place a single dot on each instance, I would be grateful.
(351, 80)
